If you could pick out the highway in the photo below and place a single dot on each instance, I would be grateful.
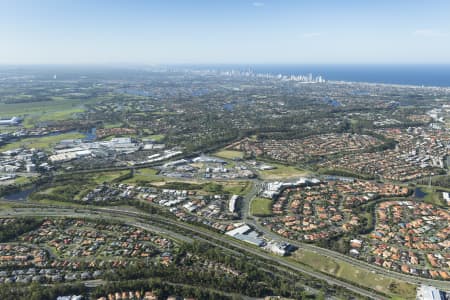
(137, 219)
(141, 220)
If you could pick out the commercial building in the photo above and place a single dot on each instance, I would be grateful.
(247, 234)
(232, 203)
(426, 292)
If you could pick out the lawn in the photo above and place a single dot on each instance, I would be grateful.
(388, 286)
(261, 207)
(229, 154)
(282, 171)
(43, 143)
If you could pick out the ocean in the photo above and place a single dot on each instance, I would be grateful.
(427, 75)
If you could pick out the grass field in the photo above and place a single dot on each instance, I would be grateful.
(229, 154)
(20, 109)
(59, 108)
(391, 287)
(40, 108)
(236, 187)
(43, 143)
(53, 116)
(261, 207)
(147, 175)
(282, 171)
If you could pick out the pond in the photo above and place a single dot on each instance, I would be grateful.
(418, 193)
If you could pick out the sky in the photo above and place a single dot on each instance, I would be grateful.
(224, 32)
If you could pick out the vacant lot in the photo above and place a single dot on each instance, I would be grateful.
(282, 171)
(261, 207)
(391, 287)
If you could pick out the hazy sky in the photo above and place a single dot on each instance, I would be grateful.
(224, 31)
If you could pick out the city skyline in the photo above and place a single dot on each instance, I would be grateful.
(224, 32)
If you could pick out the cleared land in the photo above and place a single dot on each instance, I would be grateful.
(365, 278)
(282, 171)
(261, 207)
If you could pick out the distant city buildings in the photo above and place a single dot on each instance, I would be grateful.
(308, 78)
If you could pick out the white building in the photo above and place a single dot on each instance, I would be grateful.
(232, 203)
(427, 292)
(446, 196)
(276, 248)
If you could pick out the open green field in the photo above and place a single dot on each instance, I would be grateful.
(59, 108)
(229, 154)
(261, 207)
(282, 171)
(20, 109)
(40, 108)
(52, 116)
(392, 287)
(44, 143)
(146, 175)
